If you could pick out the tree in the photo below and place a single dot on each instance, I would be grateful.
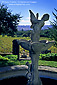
(45, 33)
(8, 21)
(53, 30)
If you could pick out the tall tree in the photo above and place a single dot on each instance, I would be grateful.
(8, 21)
(53, 30)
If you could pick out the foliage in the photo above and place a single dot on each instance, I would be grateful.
(3, 58)
(45, 38)
(48, 57)
(47, 63)
(45, 33)
(9, 62)
(8, 21)
(6, 44)
(53, 49)
(3, 61)
(11, 57)
(53, 30)
(23, 33)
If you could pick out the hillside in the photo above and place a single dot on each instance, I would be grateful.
(27, 27)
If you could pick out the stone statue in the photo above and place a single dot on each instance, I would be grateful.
(37, 25)
(35, 47)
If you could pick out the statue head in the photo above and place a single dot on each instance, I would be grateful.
(34, 20)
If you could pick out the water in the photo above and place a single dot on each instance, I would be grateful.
(21, 80)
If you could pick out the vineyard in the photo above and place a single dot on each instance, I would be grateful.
(6, 44)
(8, 60)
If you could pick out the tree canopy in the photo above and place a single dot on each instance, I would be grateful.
(8, 21)
(53, 30)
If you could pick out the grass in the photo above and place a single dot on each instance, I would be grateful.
(6, 47)
(47, 63)
(23, 62)
(41, 63)
(45, 38)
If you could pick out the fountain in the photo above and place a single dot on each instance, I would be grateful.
(35, 46)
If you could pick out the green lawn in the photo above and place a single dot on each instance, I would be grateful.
(23, 62)
(48, 63)
(41, 63)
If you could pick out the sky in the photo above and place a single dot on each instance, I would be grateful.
(22, 7)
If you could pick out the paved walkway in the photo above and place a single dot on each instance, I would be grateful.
(47, 68)
(20, 70)
(24, 67)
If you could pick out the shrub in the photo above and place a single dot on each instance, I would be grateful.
(3, 61)
(49, 57)
(3, 58)
(10, 63)
(12, 57)
(8, 60)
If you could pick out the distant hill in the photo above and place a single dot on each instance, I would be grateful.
(23, 27)
(27, 27)
(46, 27)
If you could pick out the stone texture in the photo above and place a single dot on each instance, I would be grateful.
(21, 70)
(35, 46)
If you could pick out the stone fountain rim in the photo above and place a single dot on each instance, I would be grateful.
(24, 67)
(20, 70)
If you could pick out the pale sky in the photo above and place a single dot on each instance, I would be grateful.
(37, 6)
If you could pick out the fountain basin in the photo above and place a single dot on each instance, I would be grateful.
(22, 80)
(17, 74)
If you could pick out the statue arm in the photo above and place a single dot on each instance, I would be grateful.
(41, 45)
(48, 45)
(25, 44)
(33, 19)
